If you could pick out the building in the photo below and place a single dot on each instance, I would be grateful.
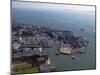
(35, 58)
(65, 49)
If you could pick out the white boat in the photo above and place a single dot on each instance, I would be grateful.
(73, 57)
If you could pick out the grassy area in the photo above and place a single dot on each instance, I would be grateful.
(28, 71)
(22, 65)
(24, 68)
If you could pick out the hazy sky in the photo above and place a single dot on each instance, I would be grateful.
(48, 6)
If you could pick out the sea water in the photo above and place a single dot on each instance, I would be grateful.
(72, 20)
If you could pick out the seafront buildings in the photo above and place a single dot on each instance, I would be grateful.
(28, 42)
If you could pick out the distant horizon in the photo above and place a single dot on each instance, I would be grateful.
(47, 6)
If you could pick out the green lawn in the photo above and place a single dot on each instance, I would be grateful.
(28, 71)
(24, 68)
(22, 65)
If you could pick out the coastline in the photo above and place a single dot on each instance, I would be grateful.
(28, 40)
